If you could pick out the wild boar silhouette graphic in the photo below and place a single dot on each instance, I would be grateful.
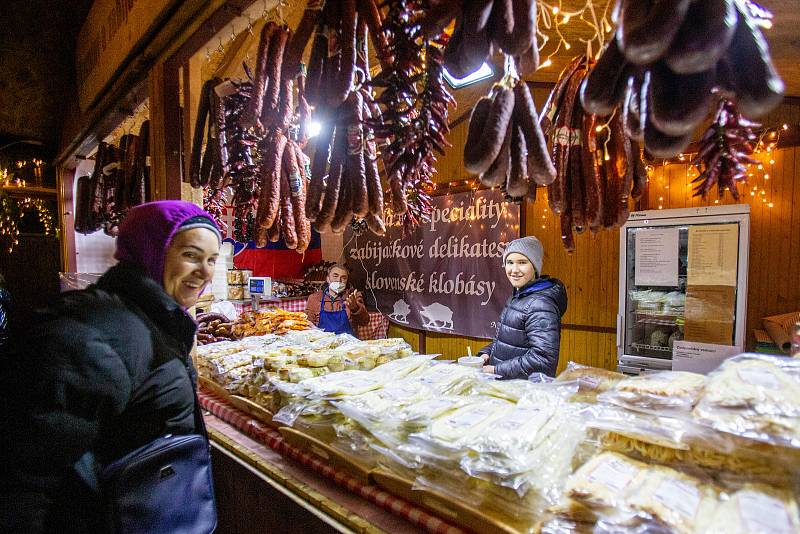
(437, 316)
(400, 312)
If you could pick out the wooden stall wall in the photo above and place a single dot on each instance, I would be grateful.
(591, 273)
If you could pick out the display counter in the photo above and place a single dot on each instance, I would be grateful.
(313, 492)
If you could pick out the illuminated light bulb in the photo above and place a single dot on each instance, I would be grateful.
(772, 162)
(555, 10)
(772, 134)
(546, 64)
(752, 194)
(666, 187)
(543, 227)
(606, 157)
(763, 192)
(660, 207)
(766, 176)
(314, 128)
(764, 200)
(770, 204)
(566, 46)
(660, 198)
(716, 202)
(680, 157)
(769, 149)
(785, 126)
(566, 19)
(760, 167)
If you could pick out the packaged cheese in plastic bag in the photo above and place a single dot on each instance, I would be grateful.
(604, 481)
(757, 509)
(755, 396)
(667, 390)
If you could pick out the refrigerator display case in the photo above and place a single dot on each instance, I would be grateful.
(682, 278)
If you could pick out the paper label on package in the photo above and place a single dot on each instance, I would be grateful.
(516, 419)
(468, 418)
(437, 373)
(762, 513)
(358, 383)
(614, 474)
(679, 496)
(759, 377)
(588, 383)
(433, 407)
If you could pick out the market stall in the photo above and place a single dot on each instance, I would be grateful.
(318, 132)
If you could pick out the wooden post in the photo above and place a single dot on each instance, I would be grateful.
(165, 132)
(66, 218)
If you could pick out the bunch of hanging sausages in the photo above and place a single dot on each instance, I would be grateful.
(505, 145)
(209, 170)
(120, 180)
(666, 61)
(282, 173)
(242, 162)
(482, 27)
(598, 166)
(345, 180)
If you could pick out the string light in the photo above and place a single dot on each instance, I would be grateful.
(12, 211)
(551, 23)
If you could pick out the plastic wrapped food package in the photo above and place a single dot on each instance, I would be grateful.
(754, 396)
(591, 380)
(346, 383)
(463, 425)
(667, 390)
(680, 502)
(449, 379)
(757, 509)
(604, 481)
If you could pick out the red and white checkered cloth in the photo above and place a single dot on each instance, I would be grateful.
(377, 328)
(273, 439)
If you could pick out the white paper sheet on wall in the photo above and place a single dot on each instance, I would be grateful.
(656, 257)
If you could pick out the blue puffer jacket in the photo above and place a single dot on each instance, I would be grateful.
(529, 332)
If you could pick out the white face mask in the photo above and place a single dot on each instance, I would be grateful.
(336, 287)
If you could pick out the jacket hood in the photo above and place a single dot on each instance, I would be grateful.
(552, 288)
(147, 231)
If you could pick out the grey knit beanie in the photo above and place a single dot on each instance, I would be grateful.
(530, 247)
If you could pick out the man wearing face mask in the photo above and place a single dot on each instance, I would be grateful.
(338, 307)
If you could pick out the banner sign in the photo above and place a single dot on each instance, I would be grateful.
(447, 275)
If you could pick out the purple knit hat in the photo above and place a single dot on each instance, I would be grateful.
(148, 229)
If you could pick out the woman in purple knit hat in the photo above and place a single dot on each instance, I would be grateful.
(104, 370)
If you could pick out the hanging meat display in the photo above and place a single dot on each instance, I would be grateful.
(415, 105)
(668, 58)
(345, 182)
(724, 150)
(120, 180)
(505, 145)
(598, 166)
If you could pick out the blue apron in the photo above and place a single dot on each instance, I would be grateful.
(334, 321)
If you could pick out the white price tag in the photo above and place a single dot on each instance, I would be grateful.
(762, 514)
(679, 496)
(614, 474)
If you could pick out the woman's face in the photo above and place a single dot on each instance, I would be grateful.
(519, 270)
(189, 265)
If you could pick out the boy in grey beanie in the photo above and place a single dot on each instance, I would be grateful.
(529, 330)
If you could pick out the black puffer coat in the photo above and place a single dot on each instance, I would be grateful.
(105, 370)
(529, 331)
